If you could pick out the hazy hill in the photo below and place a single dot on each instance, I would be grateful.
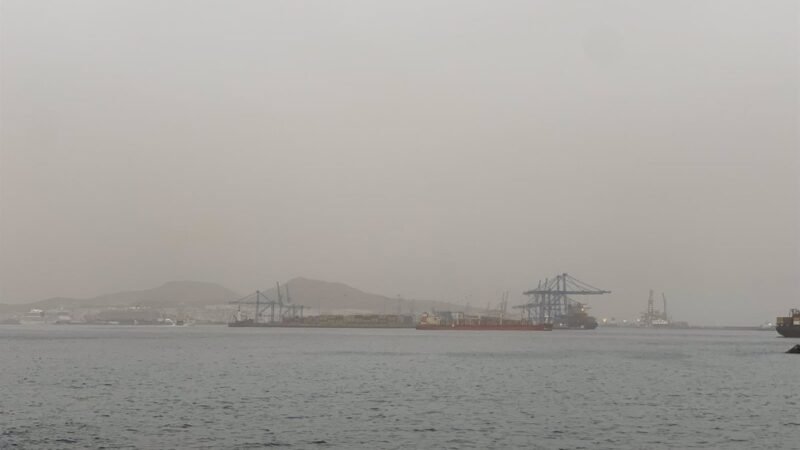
(330, 297)
(173, 293)
(338, 298)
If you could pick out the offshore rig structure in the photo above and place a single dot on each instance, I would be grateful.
(653, 317)
(550, 303)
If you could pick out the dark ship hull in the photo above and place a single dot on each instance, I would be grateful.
(586, 326)
(249, 324)
(332, 321)
(789, 331)
(488, 327)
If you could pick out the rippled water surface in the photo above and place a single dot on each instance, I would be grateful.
(216, 387)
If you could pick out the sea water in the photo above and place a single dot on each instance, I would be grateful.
(216, 387)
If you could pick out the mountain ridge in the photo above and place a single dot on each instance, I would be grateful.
(169, 294)
(333, 297)
(317, 296)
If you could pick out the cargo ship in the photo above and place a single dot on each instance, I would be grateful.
(457, 321)
(328, 321)
(789, 326)
(478, 327)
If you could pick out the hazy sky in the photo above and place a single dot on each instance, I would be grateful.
(431, 149)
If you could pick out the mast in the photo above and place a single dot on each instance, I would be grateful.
(280, 300)
(258, 298)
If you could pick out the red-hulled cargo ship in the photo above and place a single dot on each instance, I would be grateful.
(461, 322)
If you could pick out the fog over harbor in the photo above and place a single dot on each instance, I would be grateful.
(436, 150)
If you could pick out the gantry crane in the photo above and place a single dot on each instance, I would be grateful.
(550, 300)
(264, 304)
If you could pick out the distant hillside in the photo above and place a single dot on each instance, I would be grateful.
(330, 297)
(171, 294)
(339, 298)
